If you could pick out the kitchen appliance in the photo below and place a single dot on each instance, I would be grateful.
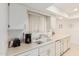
(16, 42)
(27, 38)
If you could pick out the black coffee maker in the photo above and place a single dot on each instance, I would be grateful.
(27, 38)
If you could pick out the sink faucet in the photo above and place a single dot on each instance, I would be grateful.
(42, 35)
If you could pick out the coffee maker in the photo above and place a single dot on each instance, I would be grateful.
(27, 38)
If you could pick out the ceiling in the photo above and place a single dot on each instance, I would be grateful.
(39, 6)
(66, 8)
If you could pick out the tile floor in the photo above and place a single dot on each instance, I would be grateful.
(74, 51)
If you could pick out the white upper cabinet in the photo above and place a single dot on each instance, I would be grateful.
(38, 23)
(34, 23)
(42, 24)
(48, 23)
(17, 16)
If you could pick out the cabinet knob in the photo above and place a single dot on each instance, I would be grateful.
(8, 26)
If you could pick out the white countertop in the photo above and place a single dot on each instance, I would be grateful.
(26, 47)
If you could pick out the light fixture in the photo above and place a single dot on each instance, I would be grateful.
(75, 9)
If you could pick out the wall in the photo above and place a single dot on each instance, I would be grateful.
(3, 28)
(71, 27)
(62, 25)
(74, 30)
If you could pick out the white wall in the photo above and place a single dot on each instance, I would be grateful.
(3, 28)
(71, 27)
(62, 25)
(74, 30)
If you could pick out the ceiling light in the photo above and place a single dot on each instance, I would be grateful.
(76, 9)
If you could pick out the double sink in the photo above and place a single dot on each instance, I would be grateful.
(42, 39)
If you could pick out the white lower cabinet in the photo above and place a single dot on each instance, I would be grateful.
(61, 46)
(44, 53)
(44, 50)
(33, 52)
(56, 48)
(52, 49)
(66, 43)
(47, 50)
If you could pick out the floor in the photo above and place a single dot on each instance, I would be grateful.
(74, 51)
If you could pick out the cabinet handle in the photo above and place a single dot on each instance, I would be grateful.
(8, 26)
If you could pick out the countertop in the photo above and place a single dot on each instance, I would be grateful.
(27, 47)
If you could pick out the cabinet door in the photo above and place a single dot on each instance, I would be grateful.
(47, 50)
(58, 48)
(44, 53)
(34, 23)
(30, 53)
(65, 44)
(44, 50)
(52, 49)
(68, 42)
(17, 16)
(62, 46)
(33, 54)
